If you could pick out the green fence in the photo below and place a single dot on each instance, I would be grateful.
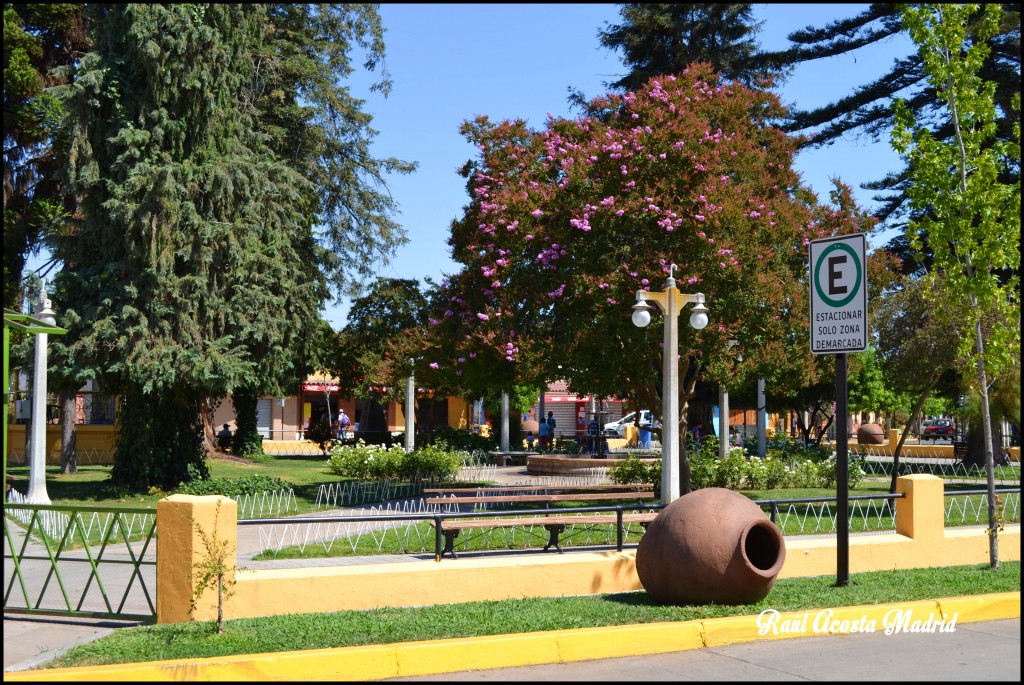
(97, 562)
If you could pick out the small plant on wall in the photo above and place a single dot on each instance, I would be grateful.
(213, 567)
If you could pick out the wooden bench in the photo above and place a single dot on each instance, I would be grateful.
(546, 497)
(555, 525)
(611, 487)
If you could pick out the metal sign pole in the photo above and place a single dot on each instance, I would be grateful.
(842, 477)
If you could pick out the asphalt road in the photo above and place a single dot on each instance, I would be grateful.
(983, 652)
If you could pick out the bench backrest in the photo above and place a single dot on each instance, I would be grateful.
(496, 489)
(550, 497)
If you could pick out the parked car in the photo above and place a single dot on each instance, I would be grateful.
(939, 428)
(618, 428)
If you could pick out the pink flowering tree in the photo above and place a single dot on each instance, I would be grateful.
(565, 224)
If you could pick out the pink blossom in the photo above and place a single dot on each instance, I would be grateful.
(699, 217)
(537, 213)
(482, 316)
(434, 365)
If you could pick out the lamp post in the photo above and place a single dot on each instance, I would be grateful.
(37, 465)
(670, 301)
(410, 412)
(723, 411)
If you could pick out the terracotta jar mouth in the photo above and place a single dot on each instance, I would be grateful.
(763, 548)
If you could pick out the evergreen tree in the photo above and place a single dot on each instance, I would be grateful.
(664, 38)
(37, 39)
(867, 111)
(188, 272)
(318, 127)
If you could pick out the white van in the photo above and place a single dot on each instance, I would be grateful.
(618, 428)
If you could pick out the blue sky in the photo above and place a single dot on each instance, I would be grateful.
(453, 62)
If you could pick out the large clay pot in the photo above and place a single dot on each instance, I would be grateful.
(710, 546)
(870, 434)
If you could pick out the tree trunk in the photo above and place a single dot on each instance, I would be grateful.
(68, 437)
(247, 441)
(932, 380)
(220, 603)
(209, 430)
(159, 440)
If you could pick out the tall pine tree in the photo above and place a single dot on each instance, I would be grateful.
(867, 111)
(189, 270)
(664, 38)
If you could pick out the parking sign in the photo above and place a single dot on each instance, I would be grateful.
(839, 295)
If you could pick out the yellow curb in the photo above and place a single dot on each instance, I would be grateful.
(375, 662)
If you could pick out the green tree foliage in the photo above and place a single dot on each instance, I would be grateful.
(972, 215)
(318, 127)
(657, 39)
(372, 360)
(917, 348)
(567, 223)
(37, 39)
(187, 275)
(867, 386)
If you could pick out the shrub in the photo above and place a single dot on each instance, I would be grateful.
(702, 471)
(803, 474)
(730, 472)
(366, 462)
(376, 462)
(431, 462)
(320, 433)
(827, 474)
(633, 470)
(463, 439)
(232, 487)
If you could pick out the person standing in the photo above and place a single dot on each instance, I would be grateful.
(593, 430)
(544, 435)
(343, 424)
(698, 431)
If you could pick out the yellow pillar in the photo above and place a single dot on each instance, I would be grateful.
(920, 513)
(894, 437)
(182, 521)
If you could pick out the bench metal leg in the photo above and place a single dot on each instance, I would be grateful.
(554, 530)
(449, 543)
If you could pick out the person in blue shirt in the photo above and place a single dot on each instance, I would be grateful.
(544, 435)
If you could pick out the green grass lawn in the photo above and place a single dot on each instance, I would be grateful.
(385, 626)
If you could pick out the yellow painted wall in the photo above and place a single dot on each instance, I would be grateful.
(460, 413)
(423, 582)
(97, 440)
